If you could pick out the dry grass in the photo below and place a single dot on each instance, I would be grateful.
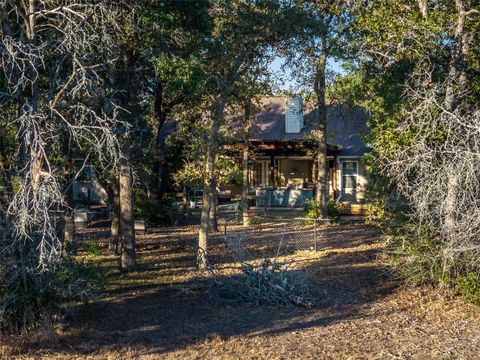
(161, 312)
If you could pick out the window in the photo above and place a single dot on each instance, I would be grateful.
(257, 174)
(87, 172)
(349, 174)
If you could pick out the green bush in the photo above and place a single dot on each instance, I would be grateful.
(311, 210)
(413, 252)
(77, 281)
(468, 286)
(334, 210)
(416, 253)
(256, 220)
(154, 212)
(92, 248)
(30, 299)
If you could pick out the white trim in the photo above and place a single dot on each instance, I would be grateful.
(341, 175)
(295, 157)
(285, 157)
(264, 173)
(340, 160)
(350, 156)
(339, 169)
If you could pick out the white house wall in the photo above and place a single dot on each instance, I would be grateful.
(362, 179)
(81, 191)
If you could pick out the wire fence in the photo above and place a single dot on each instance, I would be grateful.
(263, 263)
(269, 235)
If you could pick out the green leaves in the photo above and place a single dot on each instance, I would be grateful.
(182, 78)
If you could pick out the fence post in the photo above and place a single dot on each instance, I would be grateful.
(315, 233)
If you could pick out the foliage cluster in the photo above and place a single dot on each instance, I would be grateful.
(415, 252)
(416, 72)
(30, 301)
(311, 210)
(154, 212)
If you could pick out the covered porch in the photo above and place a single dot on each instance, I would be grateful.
(284, 174)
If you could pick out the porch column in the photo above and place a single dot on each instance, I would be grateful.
(334, 177)
(272, 171)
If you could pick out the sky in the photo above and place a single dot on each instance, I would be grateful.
(284, 79)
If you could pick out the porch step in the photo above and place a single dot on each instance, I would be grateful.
(355, 209)
(277, 208)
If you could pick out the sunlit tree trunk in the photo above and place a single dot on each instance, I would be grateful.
(423, 6)
(202, 253)
(245, 160)
(127, 226)
(214, 208)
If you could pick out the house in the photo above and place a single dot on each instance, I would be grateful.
(86, 188)
(283, 169)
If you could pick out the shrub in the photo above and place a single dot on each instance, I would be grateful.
(412, 251)
(311, 210)
(30, 299)
(468, 286)
(154, 212)
(92, 248)
(416, 253)
(256, 220)
(334, 210)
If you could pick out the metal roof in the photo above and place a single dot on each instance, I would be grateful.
(346, 125)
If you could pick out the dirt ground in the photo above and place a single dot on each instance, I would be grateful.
(361, 312)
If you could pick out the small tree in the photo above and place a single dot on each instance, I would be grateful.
(319, 31)
(426, 139)
(53, 58)
(241, 35)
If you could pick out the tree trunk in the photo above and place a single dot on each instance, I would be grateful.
(184, 199)
(245, 158)
(423, 6)
(160, 163)
(457, 75)
(162, 111)
(69, 224)
(214, 208)
(115, 224)
(6, 178)
(202, 254)
(457, 78)
(127, 226)
(160, 189)
(246, 218)
(319, 88)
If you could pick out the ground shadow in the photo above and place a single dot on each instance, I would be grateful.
(173, 314)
